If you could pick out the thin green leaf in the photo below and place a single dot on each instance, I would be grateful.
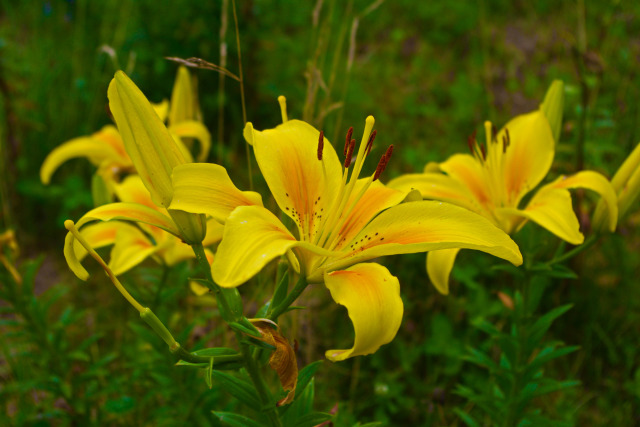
(238, 388)
(215, 351)
(466, 418)
(236, 420)
(258, 343)
(542, 325)
(477, 357)
(305, 375)
(552, 385)
(313, 419)
(244, 329)
(281, 290)
(547, 354)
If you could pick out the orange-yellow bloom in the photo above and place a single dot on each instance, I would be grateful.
(131, 244)
(494, 180)
(341, 221)
(626, 183)
(155, 154)
(106, 149)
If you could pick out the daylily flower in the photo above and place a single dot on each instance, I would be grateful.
(131, 244)
(154, 153)
(106, 150)
(341, 221)
(494, 180)
(626, 183)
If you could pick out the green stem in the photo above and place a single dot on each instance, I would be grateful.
(242, 99)
(575, 251)
(235, 315)
(289, 299)
(183, 354)
(520, 319)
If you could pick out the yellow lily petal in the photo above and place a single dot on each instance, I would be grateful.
(122, 211)
(252, 237)
(194, 129)
(214, 232)
(98, 236)
(375, 199)
(553, 106)
(529, 155)
(198, 289)
(161, 109)
(132, 190)
(551, 209)
(595, 182)
(182, 102)
(175, 251)
(129, 212)
(131, 249)
(372, 297)
(439, 265)
(436, 186)
(206, 188)
(425, 226)
(629, 194)
(303, 186)
(467, 170)
(629, 167)
(149, 144)
(109, 135)
(626, 183)
(86, 146)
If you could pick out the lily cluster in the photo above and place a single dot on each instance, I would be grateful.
(335, 218)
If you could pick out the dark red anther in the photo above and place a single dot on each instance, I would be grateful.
(484, 152)
(347, 159)
(506, 140)
(370, 142)
(320, 144)
(388, 154)
(383, 162)
(494, 133)
(348, 140)
(471, 142)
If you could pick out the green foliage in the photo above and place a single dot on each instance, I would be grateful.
(517, 375)
(73, 354)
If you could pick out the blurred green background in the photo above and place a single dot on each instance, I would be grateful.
(430, 72)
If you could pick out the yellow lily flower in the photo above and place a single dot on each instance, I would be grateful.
(154, 153)
(184, 116)
(494, 180)
(106, 150)
(341, 221)
(131, 244)
(626, 183)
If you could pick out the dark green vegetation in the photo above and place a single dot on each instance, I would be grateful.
(431, 73)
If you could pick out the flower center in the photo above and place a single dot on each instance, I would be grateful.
(491, 156)
(331, 228)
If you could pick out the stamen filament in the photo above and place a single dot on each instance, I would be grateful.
(283, 108)
(69, 225)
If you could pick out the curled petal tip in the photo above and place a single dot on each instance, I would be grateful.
(248, 133)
